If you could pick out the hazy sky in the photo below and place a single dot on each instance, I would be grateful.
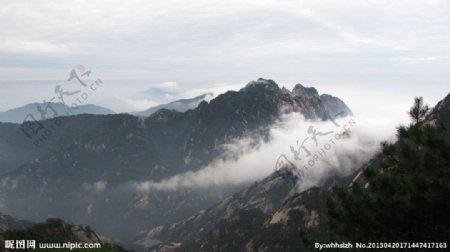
(362, 51)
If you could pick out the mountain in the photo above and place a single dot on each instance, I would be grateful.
(42, 111)
(179, 105)
(440, 115)
(265, 196)
(86, 168)
(9, 223)
(266, 216)
(304, 217)
(309, 95)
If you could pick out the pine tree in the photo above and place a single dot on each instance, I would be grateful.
(408, 187)
(418, 111)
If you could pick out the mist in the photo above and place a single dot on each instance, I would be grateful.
(342, 146)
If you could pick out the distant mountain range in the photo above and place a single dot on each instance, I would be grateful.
(42, 111)
(181, 105)
(81, 170)
(80, 173)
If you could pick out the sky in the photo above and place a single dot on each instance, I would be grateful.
(375, 55)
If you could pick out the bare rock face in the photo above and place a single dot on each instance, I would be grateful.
(264, 196)
(300, 90)
(440, 114)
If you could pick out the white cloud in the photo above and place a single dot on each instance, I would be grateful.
(168, 86)
(33, 47)
(137, 104)
(98, 186)
(188, 45)
(185, 39)
(244, 162)
(415, 59)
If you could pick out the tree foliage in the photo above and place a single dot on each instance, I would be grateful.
(405, 195)
(418, 111)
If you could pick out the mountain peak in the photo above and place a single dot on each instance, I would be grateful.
(261, 83)
(206, 94)
(42, 111)
(300, 90)
(164, 114)
(180, 105)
